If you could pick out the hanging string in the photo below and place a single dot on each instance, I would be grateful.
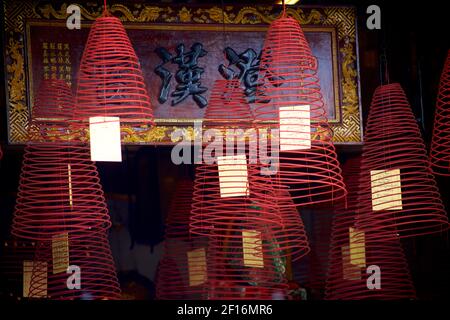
(384, 70)
(223, 30)
(284, 9)
(422, 111)
(223, 23)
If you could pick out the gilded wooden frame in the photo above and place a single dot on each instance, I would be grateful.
(347, 129)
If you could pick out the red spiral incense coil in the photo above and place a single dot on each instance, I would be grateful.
(245, 269)
(349, 282)
(398, 192)
(210, 211)
(344, 218)
(90, 252)
(110, 79)
(52, 111)
(233, 276)
(60, 194)
(291, 238)
(228, 204)
(239, 221)
(54, 101)
(228, 107)
(182, 271)
(440, 142)
(247, 254)
(59, 191)
(352, 252)
(289, 99)
(59, 186)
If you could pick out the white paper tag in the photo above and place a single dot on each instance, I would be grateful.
(295, 128)
(233, 176)
(386, 190)
(104, 135)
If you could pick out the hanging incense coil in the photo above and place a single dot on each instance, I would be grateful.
(60, 194)
(182, 271)
(212, 211)
(233, 204)
(289, 100)
(440, 142)
(398, 192)
(90, 251)
(228, 106)
(110, 79)
(347, 281)
(353, 250)
(59, 187)
(59, 191)
(240, 224)
(292, 239)
(222, 197)
(344, 218)
(52, 111)
(233, 224)
(244, 266)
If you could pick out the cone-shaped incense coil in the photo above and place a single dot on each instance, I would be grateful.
(289, 101)
(182, 271)
(398, 192)
(110, 79)
(440, 143)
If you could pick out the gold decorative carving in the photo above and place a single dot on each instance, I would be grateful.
(145, 14)
(17, 112)
(155, 134)
(185, 15)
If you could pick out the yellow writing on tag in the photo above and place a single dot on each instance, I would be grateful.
(252, 247)
(60, 252)
(349, 271)
(233, 176)
(386, 190)
(295, 128)
(35, 271)
(197, 267)
(69, 173)
(357, 247)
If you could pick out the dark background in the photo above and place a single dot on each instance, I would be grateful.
(414, 38)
